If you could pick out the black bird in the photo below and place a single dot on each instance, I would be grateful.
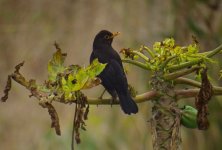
(113, 76)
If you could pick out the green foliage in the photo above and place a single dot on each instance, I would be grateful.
(65, 81)
(177, 54)
(81, 78)
(167, 54)
(56, 65)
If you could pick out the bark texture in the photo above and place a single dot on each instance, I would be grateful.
(165, 122)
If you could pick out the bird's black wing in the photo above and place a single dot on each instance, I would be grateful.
(113, 77)
(115, 81)
(117, 57)
(107, 74)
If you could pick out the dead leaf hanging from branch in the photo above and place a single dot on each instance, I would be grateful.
(202, 100)
(54, 117)
(7, 89)
(81, 114)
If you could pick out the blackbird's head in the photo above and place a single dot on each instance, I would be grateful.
(105, 37)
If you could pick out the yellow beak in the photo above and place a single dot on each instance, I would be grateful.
(115, 34)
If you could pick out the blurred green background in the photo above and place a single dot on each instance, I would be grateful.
(28, 30)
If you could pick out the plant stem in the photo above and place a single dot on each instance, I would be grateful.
(194, 83)
(214, 51)
(137, 63)
(196, 61)
(180, 73)
(141, 55)
(167, 61)
(184, 65)
(149, 51)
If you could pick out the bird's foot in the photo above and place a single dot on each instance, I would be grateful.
(101, 96)
(113, 101)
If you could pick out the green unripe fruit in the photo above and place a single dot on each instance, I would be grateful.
(189, 117)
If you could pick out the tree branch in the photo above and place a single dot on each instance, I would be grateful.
(187, 81)
(151, 95)
(138, 99)
(194, 83)
(147, 96)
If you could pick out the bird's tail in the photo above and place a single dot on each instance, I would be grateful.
(127, 104)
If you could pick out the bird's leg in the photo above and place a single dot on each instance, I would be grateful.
(101, 96)
(114, 97)
(113, 100)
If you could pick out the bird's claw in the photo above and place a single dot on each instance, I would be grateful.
(100, 97)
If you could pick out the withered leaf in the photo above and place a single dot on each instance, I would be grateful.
(86, 113)
(17, 67)
(7, 89)
(206, 90)
(127, 52)
(202, 120)
(202, 100)
(54, 118)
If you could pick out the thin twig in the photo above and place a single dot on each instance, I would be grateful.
(73, 129)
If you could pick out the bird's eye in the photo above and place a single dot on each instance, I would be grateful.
(107, 37)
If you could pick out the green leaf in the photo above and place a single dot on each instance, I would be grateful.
(95, 68)
(83, 78)
(66, 81)
(56, 65)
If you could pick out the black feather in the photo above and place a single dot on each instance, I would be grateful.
(113, 76)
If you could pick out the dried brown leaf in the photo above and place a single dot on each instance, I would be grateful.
(54, 118)
(206, 90)
(81, 113)
(202, 100)
(127, 52)
(17, 67)
(7, 89)
(77, 138)
(86, 113)
(202, 120)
